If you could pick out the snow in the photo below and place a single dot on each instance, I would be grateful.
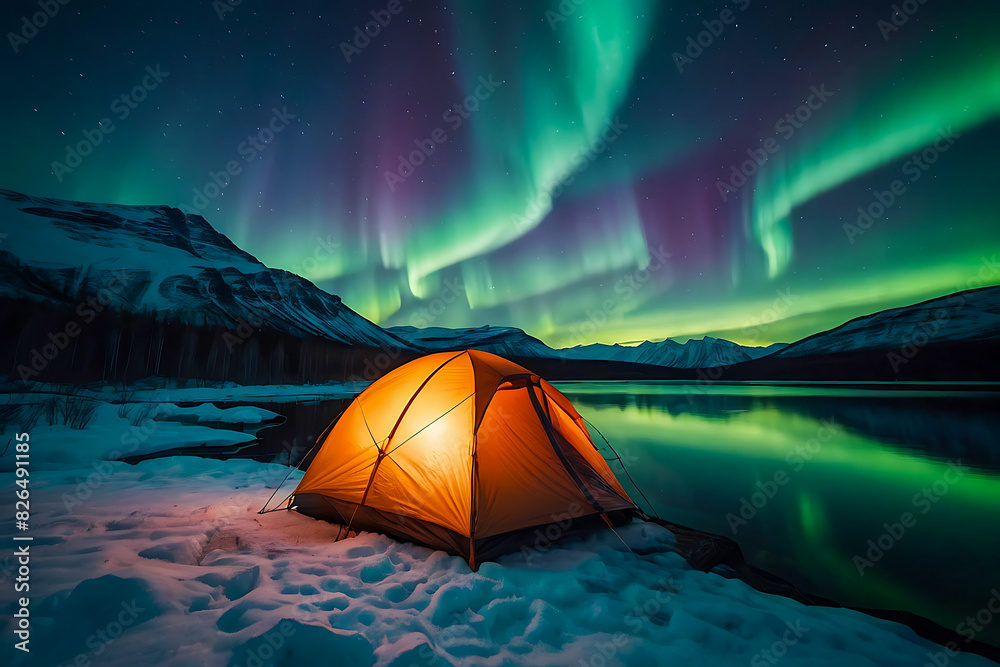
(694, 353)
(114, 249)
(156, 258)
(209, 413)
(509, 341)
(224, 392)
(147, 429)
(153, 422)
(167, 562)
(504, 341)
(969, 315)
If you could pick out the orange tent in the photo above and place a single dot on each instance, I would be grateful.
(465, 452)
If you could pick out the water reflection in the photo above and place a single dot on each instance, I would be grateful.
(943, 425)
(804, 477)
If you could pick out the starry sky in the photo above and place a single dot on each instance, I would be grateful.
(589, 171)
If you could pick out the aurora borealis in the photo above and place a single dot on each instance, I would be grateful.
(550, 166)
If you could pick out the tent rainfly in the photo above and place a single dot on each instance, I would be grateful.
(465, 452)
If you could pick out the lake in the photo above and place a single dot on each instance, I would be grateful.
(803, 477)
(873, 496)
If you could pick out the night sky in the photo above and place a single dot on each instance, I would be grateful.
(587, 173)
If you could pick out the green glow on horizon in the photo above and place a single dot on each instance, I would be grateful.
(757, 321)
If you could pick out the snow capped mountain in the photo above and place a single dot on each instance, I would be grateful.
(508, 341)
(159, 259)
(704, 353)
(972, 315)
(504, 341)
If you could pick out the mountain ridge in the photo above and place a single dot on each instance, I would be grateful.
(161, 263)
(159, 259)
(511, 341)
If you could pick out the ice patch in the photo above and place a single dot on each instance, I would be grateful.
(208, 413)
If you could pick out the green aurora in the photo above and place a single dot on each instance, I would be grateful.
(574, 186)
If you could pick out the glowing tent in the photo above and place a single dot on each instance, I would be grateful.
(465, 452)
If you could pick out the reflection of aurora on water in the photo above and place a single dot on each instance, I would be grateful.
(806, 476)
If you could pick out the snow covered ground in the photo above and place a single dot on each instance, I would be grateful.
(208, 413)
(166, 562)
(151, 421)
(159, 258)
(110, 437)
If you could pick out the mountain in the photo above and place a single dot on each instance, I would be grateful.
(157, 259)
(951, 338)
(504, 341)
(969, 315)
(508, 341)
(135, 291)
(704, 353)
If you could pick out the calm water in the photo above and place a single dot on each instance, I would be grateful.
(805, 476)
